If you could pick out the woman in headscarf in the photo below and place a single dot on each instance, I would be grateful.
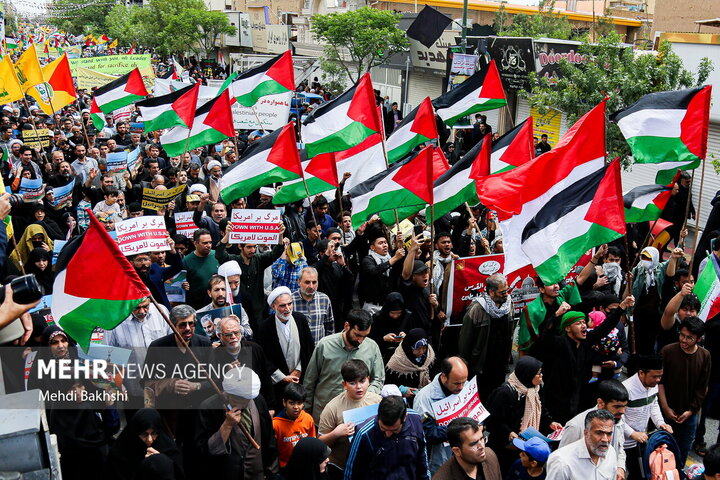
(40, 263)
(514, 407)
(308, 461)
(69, 226)
(34, 237)
(41, 217)
(389, 324)
(648, 278)
(157, 467)
(144, 437)
(409, 367)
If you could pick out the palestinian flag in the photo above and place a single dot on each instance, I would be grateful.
(518, 195)
(213, 123)
(585, 214)
(514, 148)
(646, 202)
(121, 92)
(415, 129)
(273, 158)
(481, 92)
(361, 161)
(270, 78)
(667, 130)
(707, 289)
(343, 122)
(11, 43)
(459, 184)
(406, 187)
(174, 109)
(95, 285)
(97, 116)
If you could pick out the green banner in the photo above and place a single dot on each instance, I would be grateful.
(116, 65)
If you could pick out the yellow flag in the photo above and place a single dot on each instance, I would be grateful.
(113, 44)
(28, 70)
(9, 87)
(9, 231)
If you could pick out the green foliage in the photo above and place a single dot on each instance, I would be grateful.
(545, 23)
(125, 24)
(358, 40)
(619, 73)
(80, 18)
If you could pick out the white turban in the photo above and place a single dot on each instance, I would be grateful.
(270, 192)
(197, 187)
(213, 163)
(230, 268)
(276, 293)
(390, 390)
(241, 382)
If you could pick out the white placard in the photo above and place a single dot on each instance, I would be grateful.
(142, 234)
(464, 404)
(184, 223)
(255, 226)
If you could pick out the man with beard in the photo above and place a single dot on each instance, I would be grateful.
(471, 458)
(590, 457)
(286, 340)
(63, 175)
(212, 181)
(613, 397)
(217, 290)
(212, 222)
(154, 275)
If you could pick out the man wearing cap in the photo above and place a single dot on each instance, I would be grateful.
(613, 397)
(230, 456)
(533, 455)
(416, 293)
(567, 365)
(470, 457)
(286, 339)
(266, 196)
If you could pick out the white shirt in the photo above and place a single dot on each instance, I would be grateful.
(643, 406)
(575, 430)
(573, 462)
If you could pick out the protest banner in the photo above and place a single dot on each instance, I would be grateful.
(38, 140)
(62, 196)
(173, 287)
(31, 189)
(116, 162)
(88, 79)
(468, 276)
(184, 223)
(157, 199)
(255, 226)
(137, 127)
(133, 159)
(464, 404)
(272, 110)
(142, 234)
(116, 65)
(205, 321)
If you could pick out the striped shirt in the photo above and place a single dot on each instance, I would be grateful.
(318, 312)
(642, 406)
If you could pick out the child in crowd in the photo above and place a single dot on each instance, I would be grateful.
(531, 464)
(109, 205)
(292, 422)
(334, 432)
(607, 350)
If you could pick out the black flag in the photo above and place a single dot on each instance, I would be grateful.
(428, 26)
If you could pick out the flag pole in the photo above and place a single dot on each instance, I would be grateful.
(258, 119)
(687, 205)
(37, 135)
(697, 219)
(244, 430)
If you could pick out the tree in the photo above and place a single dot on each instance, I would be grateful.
(359, 40)
(80, 16)
(614, 70)
(545, 23)
(125, 24)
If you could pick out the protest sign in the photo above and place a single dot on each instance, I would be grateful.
(88, 79)
(255, 226)
(137, 127)
(359, 417)
(272, 110)
(116, 161)
(464, 404)
(142, 234)
(38, 140)
(62, 196)
(31, 189)
(133, 159)
(157, 199)
(205, 321)
(184, 223)
(173, 288)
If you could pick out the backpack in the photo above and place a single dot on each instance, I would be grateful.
(662, 464)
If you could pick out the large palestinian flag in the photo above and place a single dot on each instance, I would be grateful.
(213, 123)
(518, 195)
(270, 78)
(121, 92)
(95, 285)
(707, 289)
(481, 92)
(171, 110)
(646, 202)
(458, 184)
(343, 122)
(273, 158)
(667, 130)
(514, 148)
(406, 187)
(415, 129)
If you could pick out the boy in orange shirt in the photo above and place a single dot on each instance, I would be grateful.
(292, 422)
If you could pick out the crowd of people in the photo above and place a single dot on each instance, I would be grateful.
(333, 319)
